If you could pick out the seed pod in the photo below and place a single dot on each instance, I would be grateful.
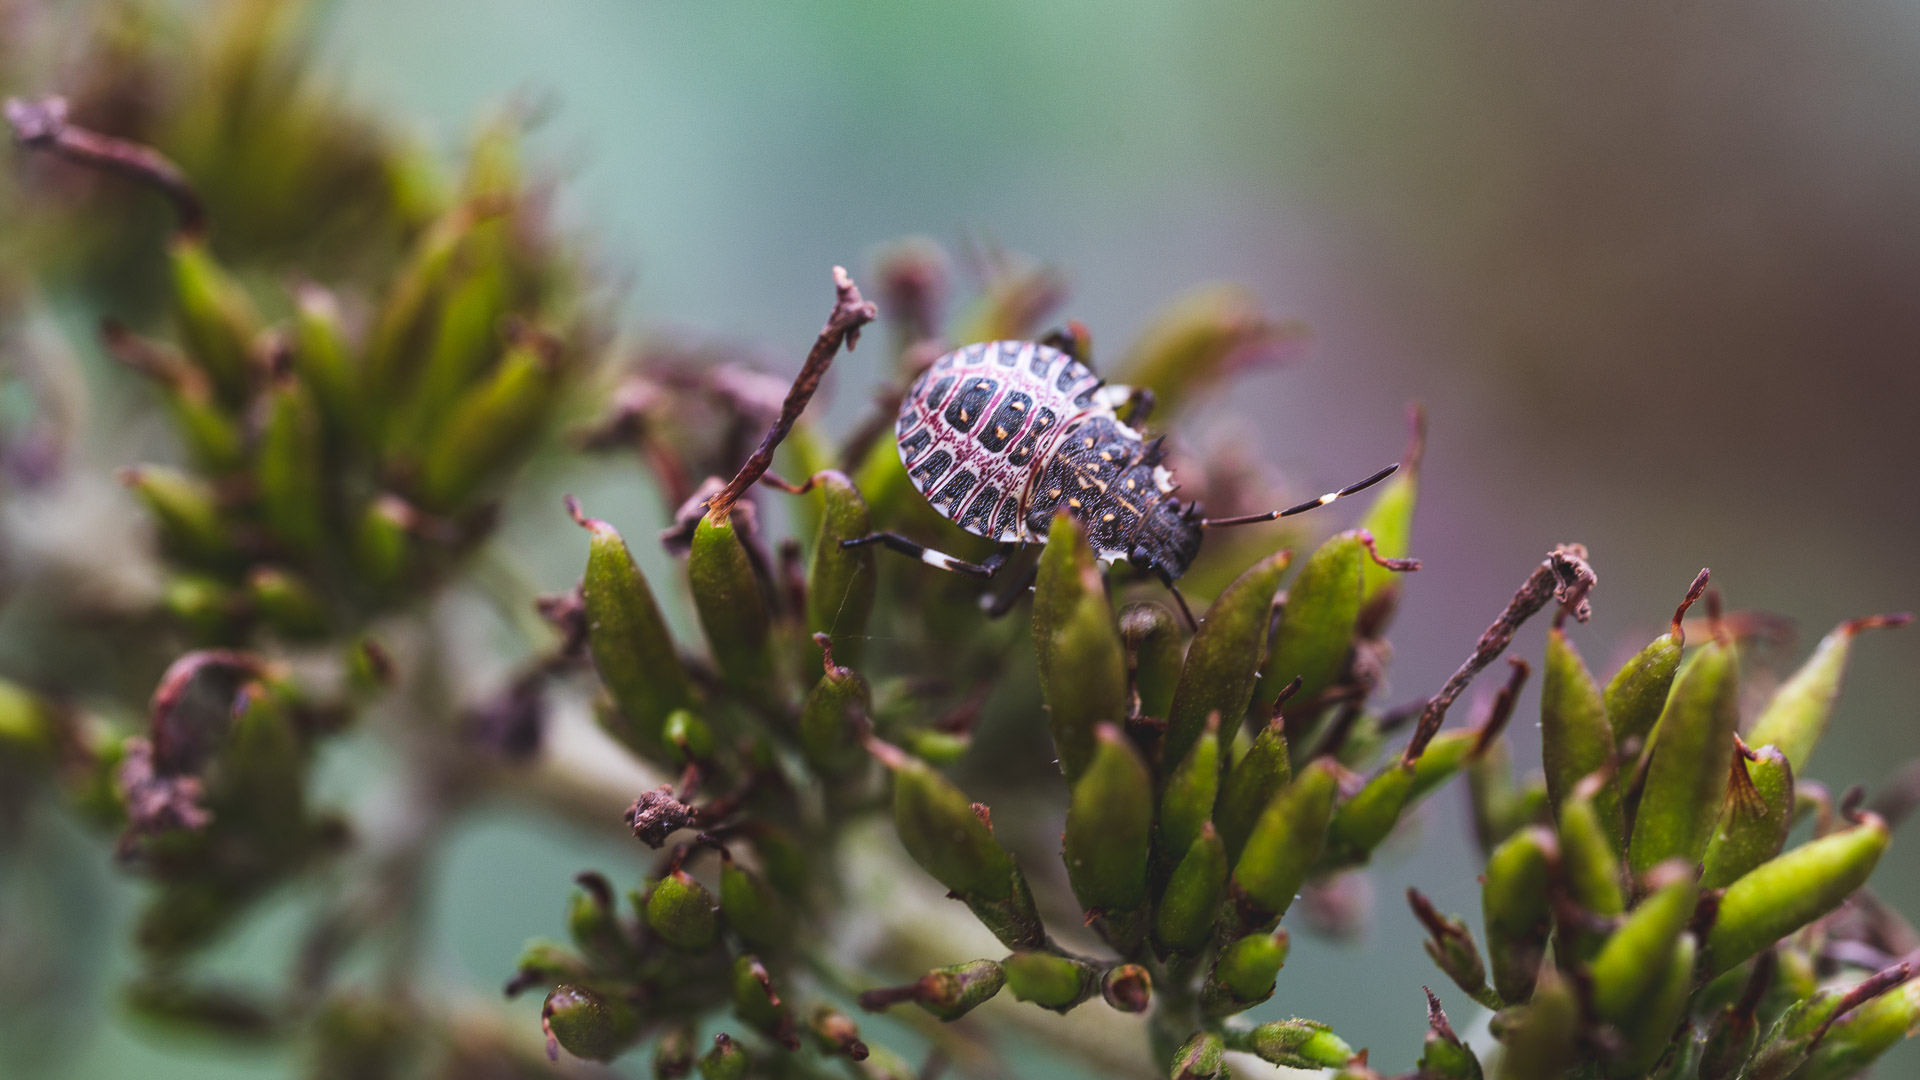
(1128, 988)
(1692, 754)
(1575, 739)
(1286, 842)
(323, 358)
(1492, 798)
(832, 719)
(545, 962)
(1049, 980)
(1362, 822)
(1224, 657)
(594, 924)
(1514, 900)
(383, 541)
(1759, 813)
(261, 779)
(1637, 693)
(1243, 974)
(1444, 757)
(751, 908)
(1109, 825)
(1297, 1044)
(1443, 1056)
(681, 911)
(1198, 340)
(400, 331)
(1859, 1037)
(731, 605)
(288, 468)
(1800, 710)
(1541, 1034)
(286, 603)
(1200, 1059)
(208, 609)
(632, 648)
(1083, 668)
(1648, 1034)
(1190, 903)
(1587, 856)
(185, 512)
(673, 1053)
(726, 1061)
(465, 338)
(1791, 890)
(1633, 961)
(841, 580)
(1188, 800)
(590, 1024)
(216, 319)
(836, 1034)
(950, 993)
(940, 829)
(493, 421)
(1251, 784)
(1806, 1025)
(1315, 635)
(1155, 651)
(1450, 945)
(755, 1002)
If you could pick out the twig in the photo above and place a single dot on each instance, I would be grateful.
(42, 125)
(850, 313)
(1564, 576)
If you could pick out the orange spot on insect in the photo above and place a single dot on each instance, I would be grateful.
(1089, 444)
(1106, 517)
(1055, 493)
(963, 416)
(1018, 406)
(1130, 484)
(1075, 503)
(999, 431)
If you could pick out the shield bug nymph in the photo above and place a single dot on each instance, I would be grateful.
(1002, 435)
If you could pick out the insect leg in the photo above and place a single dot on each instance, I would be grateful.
(938, 559)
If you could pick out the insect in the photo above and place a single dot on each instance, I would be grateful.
(1000, 436)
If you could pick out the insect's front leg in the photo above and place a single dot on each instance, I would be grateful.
(938, 559)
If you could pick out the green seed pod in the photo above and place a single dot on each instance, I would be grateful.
(1188, 800)
(1587, 853)
(1315, 635)
(632, 648)
(1575, 739)
(681, 911)
(1049, 980)
(832, 719)
(322, 357)
(943, 834)
(731, 605)
(1859, 1037)
(590, 1024)
(1514, 900)
(841, 581)
(1198, 340)
(261, 784)
(1648, 1034)
(185, 512)
(546, 962)
(1243, 974)
(938, 747)
(1637, 693)
(751, 908)
(755, 1002)
(1793, 889)
(383, 541)
(726, 1061)
(1184, 920)
(1155, 651)
(1692, 754)
(1492, 798)
(465, 338)
(27, 725)
(1800, 710)
(673, 1053)
(1201, 1058)
(286, 603)
(1297, 1044)
(1789, 1042)
(491, 423)
(1362, 822)
(1759, 813)
(1450, 945)
(1286, 842)
(1633, 961)
(1109, 826)
(1260, 774)
(594, 924)
(207, 608)
(289, 469)
(1541, 1038)
(1083, 668)
(950, 993)
(1224, 657)
(835, 1033)
(1443, 1056)
(216, 320)
(401, 330)
(687, 738)
(1444, 757)
(1128, 988)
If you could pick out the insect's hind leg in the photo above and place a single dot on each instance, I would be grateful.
(938, 559)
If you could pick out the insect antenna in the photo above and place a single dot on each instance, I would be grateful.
(1310, 504)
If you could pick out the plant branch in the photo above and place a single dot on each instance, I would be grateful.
(42, 125)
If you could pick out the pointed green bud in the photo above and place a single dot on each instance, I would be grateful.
(836, 1034)
(1128, 988)
(687, 738)
(1199, 339)
(1286, 842)
(1109, 826)
(1692, 755)
(1754, 825)
(1155, 650)
(1575, 739)
(632, 648)
(492, 423)
(322, 357)
(401, 330)
(1633, 961)
(841, 581)
(1491, 795)
(833, 718)
(1448, 753)
(1450, 945)
(1188, 801)
(1637, 693)
(673, 1054)
(1224, 658)
(726, 1061)
(1791, 890)
(185, 513)
(590, 1024)
(1858, 1038)
(681, 911)
(1296, 1044)
(1649, 1032)
(756, 1002)
(216, 319)
(1803, 706)
(938, 747)
(732, 606)
(1243, 974)
(594, 923)
(1541, 1037)
(544, 963)
(1315, 635)
(1795, 1040)
(1190, 904)
(944, 834)
(206, 608)
(1202, 1058)
(288, 468)
(465, 339)
(262, 772)
(948, 993)
(752, 909)
(1587, 854)
(1362, 822)
(1251, 784)
(27, 725)
(286, 603)
(383, 540)
(1083, 667)
(1443, 1056)
(1049, 980)
(1514, 901)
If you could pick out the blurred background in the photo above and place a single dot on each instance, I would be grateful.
(1654, 271)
